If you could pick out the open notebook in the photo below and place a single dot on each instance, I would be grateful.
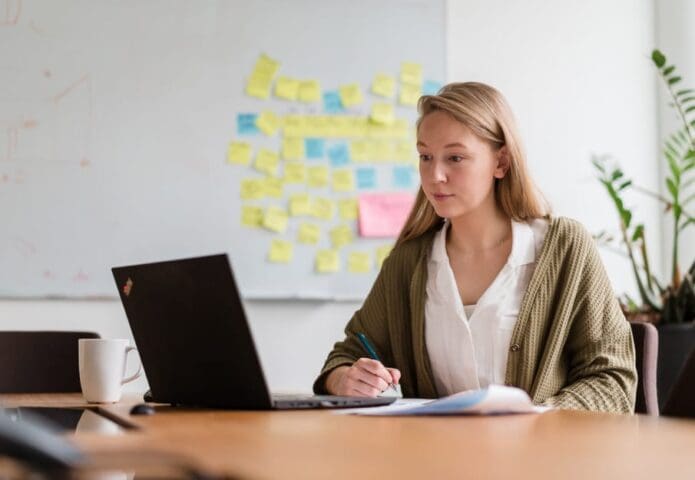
(493, 400)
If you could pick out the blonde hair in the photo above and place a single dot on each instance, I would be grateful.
(485, 111)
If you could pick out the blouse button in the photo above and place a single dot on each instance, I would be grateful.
(515, 347)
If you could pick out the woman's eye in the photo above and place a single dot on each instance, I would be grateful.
(457, 158)
(424, 158)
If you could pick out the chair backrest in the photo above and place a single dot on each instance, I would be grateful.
(646, 338)
(681, 399)
(40, 362)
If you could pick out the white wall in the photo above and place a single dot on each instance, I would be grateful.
(578, 77)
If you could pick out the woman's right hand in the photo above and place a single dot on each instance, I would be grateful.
(364, 378)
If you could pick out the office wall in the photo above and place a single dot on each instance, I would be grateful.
(578, 77)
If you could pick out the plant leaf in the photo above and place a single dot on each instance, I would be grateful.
(638, 233)
(686, 91)
(658, 58)
(672, 188)
(626, 215)
(624, 185)
(669, 70)
(674, 80)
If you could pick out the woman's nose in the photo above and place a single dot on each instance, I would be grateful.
(438, 172)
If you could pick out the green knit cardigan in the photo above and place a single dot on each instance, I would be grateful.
(571, 347)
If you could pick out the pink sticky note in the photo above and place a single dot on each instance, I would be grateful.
(383, 214)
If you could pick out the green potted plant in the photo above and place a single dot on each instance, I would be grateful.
(669, 305)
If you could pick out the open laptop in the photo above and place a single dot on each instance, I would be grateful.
(196, 347)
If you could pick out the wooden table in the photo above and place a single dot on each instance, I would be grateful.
(322, 445)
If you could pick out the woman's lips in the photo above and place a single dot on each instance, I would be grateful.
(442, 196)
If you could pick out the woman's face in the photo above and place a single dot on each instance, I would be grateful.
(457, 168)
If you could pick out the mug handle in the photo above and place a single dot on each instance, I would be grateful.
(136, 374)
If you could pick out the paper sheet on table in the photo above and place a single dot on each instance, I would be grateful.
(383, 214)
(494, 400)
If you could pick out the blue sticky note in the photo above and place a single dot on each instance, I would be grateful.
(403, 176)
(313, 147)
(246, 124)
(430, 87)
(366, 178)
(339, 154)
(332, 103)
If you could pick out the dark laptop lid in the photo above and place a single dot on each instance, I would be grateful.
(191, 332)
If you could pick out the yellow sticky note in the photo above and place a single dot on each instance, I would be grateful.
(410, 94)
(280, 251)
(267, 161)
(295, 172)
(268, 122)
(275, 219)
(300, 204)
(382, 113)
(294, 125)
(287, 88)
(309, 91)
(274, 187)
(259, 86)
(411, 74)
(381, 254)
(341, 236)
(318, 176)
(343, 180)
(251, 216)
(359, 151)
(323, 208)
(350, 95)
(384, 150)
(239, 153)
(348, 208)
(384, 85)
(266, 65)
(405, 152)
(359, 262)
(252, 189)
(292, 148)
(309, 233)
(327, 261)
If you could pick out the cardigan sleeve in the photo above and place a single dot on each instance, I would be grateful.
(370, 319)
(599, 348)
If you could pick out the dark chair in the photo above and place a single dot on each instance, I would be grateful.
(40, 362)
(681, 400)
(646, 338)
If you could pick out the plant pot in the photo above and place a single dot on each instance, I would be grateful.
(676, 341)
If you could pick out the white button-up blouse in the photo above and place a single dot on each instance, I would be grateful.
(470, 352)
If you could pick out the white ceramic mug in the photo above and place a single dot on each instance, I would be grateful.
(102, 368)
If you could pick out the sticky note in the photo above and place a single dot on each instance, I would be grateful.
(359, 262)
(411, 74)
(410, 94)
(327, 261)
(246, 124)
(266, 65)
(343, 180)
(292, 148)
(366, 178)
(359, 151)
(252, 189)
(274, 187)
(323, 208)
(341, 236)
(318, 176)
(294, 125)
(384, 150)
(430, 87)
(339, 154)
(382, 114)
(280, 251)
(251, 216)
(403, 176)
(384, 85)
(300, 204)
(268, 122)
(309, 233)
(287, 88)
(381, 254)
(347, 208)
(267, 161)
(383, 214)
(332, 103)
(350, 95)
(405, 152)
(314, 147)
(275, 219)
(309, 91)
(239, 153)
(295, 172)
(261, 78)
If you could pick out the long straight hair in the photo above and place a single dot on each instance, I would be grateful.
(485, 111)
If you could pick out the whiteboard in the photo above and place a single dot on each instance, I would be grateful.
(115, 119)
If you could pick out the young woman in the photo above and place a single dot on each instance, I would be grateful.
(483, 286)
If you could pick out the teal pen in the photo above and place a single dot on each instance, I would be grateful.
(372, 353)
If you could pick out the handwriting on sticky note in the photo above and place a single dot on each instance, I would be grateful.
(261, 78)
(343, 180)
(411, 73)
(309, 233)
(280, 251)
(384, 85)
(318, 176)
(275, 219)
(323, 208)
(295, 172)
(300, 204)
(309, 91)
(410, 94)
(382, 113)
(239, 153)
(383, 214)
(327, 261)
(252, 189)
(341, 236)
(292, 148)
(267, 161)
(348, 208)
(274, 187)
(287, 88)
(251, 216)
(268, 122)
(359, 262)
(350, 95)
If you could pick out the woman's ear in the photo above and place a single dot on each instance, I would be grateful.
(502, 162)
